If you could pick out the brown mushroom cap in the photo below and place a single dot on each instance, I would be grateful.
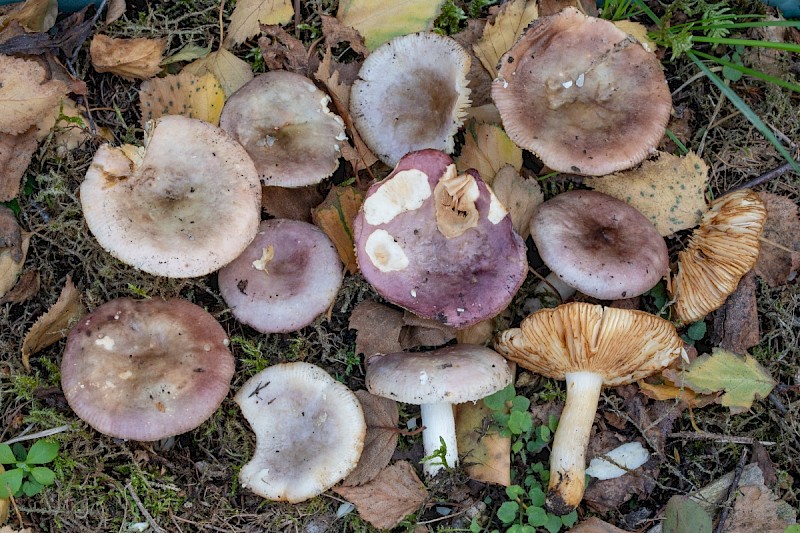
(309, 428)
(283, 121)
(599, 245)
(411, 94)
(722, 250)
(583, 95)
(185, 207)
(288, 276)
(146, 370)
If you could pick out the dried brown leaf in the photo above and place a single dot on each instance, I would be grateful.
(230, 71)
(54, 325)
(335, 216)
(15, 156)
(127, 58)
(26, 96)
(756, 509)
(520, 196)
(116, 8)
(378, 328)
(551, 7)
(9, 529)
(295, 203)
(498, 36)
(595, 525)
(480, 82)
(780, 243)
(736, 322)
(248, 15)
(282, 51)
(335, 32)
(33, 15)
(382, 417)
(26, 288)
(480, 333)
(10, 268)
(487, 455)
(383, 502)
(420, 331)
(68, 133)
(186, 94)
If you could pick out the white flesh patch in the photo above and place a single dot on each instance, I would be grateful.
(406, 191)
(618, 461)
(497, 211)
(384, 252)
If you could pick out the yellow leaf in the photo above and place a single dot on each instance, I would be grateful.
(667, 391)
(335, 217)
(248, 14)
(381, 20)
(26, 97)
(487, 149)
(487, 455)
(499, 36)
(127, 58)
(230, 71)
(638, 32)
(520, 197)
(199, 97)
(670, 190)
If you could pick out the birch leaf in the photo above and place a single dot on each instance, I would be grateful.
(127, 58)
(520, 196)
(487, 149)
(335, 216)
(186, 94)
(249, 14)
(230, 71)
(500, 35)
(26, 96)
(381, 20)
(487, 455)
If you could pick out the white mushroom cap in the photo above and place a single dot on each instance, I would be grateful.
(309, 428)
(411, 94)
(188, 206)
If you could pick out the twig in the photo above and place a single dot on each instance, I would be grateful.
(40, 434)
(737, 474)
(777, 403)
(702, 144)
(145, 512)
(704, 435)
(16, 509)
(765, 177)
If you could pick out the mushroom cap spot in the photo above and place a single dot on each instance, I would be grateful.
(384, 252)
(295, 286)
(405, 191)
(309, 428)
(168, 371)
(191, 206)
(411, 94)
(722, 250)
(284, 123)
(459, 280)
(454, 374)
(621, 345)
(609, 121)
(599, 245)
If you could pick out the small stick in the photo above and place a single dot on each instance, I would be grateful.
(737, 474)
(45, 433)
(145, 512)
(777, 403)
(704, 435)
(14, 505)
(765, 177)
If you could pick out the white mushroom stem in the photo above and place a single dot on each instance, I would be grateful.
(568, 458)
(439, 423)
(545, 289)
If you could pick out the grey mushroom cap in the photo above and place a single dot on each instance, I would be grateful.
(599, 245)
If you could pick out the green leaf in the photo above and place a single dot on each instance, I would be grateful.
(507, 513)
(570, 519)
(742, 378)
(43, 475)
(31, 488)
(520, 422)
(520, 403)
(497, 401)
(696, 331)
(536, 516)
(381, 20)
(537, 496)
(474, 526)
(6, 455)
(553, 524)
(514, 491)
(19, 451)
(544, 433)
(685, 516)
(10, 482)
(794, 528)
(42, 452)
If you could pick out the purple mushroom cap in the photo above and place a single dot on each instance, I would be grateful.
(438, 243)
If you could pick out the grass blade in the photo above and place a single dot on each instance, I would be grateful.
(750, 72)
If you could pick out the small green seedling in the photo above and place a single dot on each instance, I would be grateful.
(439, 455)
(24, 476)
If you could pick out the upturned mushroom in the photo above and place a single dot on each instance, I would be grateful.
(589, 346)
(146, 370)
(438, 243)
(436, 381)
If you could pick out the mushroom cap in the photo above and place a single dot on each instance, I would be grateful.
(722, 250)
(439, 244)
(599, 245)
(283, 121)
(453, 374)
(621, 345)
(146, 370)
(582, 94)
(288, 276)
(190, 205)
(411, 93)
(309, 428)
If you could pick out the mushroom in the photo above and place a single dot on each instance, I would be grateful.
(582, 94)
(184, 206)
(309, 428)
(287, 277)
(411, 93)
(146, 370)
(435, 381)
(283, 121)
(438, 243)
(598, 245)
(722, 250)
(589, 346)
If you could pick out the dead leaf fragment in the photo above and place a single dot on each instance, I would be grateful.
(382, 417)
(378, 328)
(26, 96)
(520, 196)
(186, 94)
(381, 20)
(335, 32)
(116, 8)
(127, 58)
(33, 15)
(26, 288)
(595, 525)
(487, 454)
(12, 256)
(15, 156)
(249, 14)
(487, 149)
(669, 190)
(335, 216)
(230, 71)
(282, 51)
(756, 509)
(68, 124)
(780, 243)
(638, 31)
(295, 203)
(736, 322)
(419, 331)
(54, 325)
(383, 502)
(498, 36)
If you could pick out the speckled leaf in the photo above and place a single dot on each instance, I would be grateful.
(486, 454)
(382, 417)
(231, 71)
(487, 149)
(500, 35)
(335, 217)
(381, 20)
(249, 14)
(670, 190)
(186, 94)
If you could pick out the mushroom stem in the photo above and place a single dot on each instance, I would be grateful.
(568, 458)
(545, 290)
(439, 423)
